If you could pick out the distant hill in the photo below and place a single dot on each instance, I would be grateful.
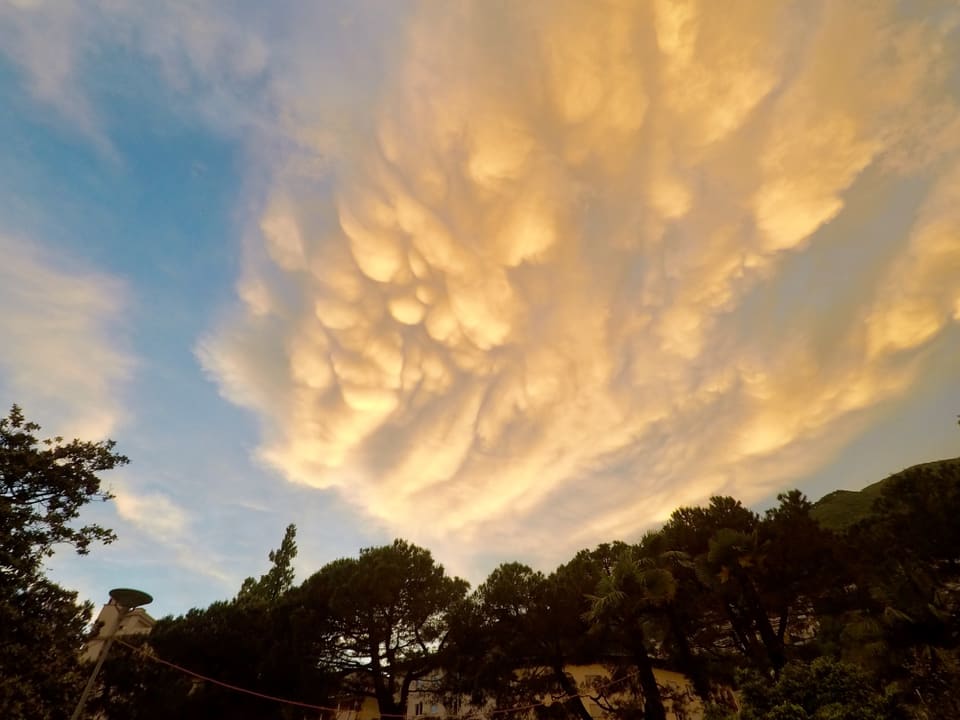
(842, 508)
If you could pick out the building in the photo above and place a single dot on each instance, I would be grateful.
(593, 683)
(110, 621)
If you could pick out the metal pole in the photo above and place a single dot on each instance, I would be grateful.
(121, 613)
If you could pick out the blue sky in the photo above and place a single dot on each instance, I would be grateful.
(505, 281)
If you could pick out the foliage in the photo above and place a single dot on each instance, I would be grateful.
(257, 646)
(818, 624)
(41, 633)
(279, 578)
(905, 626)
(632, 591)
(264, 640)
(388, 619)
(43, 486)
(822, 690)
(520, 618)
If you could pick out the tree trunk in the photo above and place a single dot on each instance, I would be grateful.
(743, 635)
(652, 702)
(782, 627)
(574, 701)
(691, 664)
(383, 689)
(771, 643)
(389, 708)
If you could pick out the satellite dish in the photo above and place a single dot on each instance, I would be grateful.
(130, 598)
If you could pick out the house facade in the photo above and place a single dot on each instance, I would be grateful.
(598, 691)
(111, 621)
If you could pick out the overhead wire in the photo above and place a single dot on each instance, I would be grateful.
(213, 681)
(140, 650)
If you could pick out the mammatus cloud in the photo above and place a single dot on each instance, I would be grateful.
(533, 296)
(61, 355)
(564, 266)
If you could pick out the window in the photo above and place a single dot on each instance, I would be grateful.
(418, 709)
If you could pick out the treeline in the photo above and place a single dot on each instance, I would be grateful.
(846, 622)
(805, 621)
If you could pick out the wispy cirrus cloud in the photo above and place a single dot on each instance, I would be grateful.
(63, 353)
(165, 525)
(215, 61)
(154, 513)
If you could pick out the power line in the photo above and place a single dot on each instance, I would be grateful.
(235, 688)
(310, 706)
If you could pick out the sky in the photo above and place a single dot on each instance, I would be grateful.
(504, 279)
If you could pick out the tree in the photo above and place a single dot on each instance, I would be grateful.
(279, 578)
(725, 541)
(265, 640)
(43, 486)
(686, 616)
(258, 646)
(906, 625)
(822, 690)
(800, 568)
(514, 638)
(388, 612)
(490, 637)
(690, 529)
(632, 591)
(41, 633)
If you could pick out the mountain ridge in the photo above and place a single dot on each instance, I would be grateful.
(839, 509)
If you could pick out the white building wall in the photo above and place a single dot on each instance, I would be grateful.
(135, 622)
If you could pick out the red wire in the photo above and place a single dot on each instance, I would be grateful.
(285, 701)
(228, 686)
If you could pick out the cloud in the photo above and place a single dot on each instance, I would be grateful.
(63, 351)
(920, 295)
(524, 293)
(43, 38)
(211, 66)
(521, 272)
(165, 530)
(154, 514)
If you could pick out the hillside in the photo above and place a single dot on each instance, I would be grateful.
(840, 509)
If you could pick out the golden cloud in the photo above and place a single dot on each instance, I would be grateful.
(62, 354)
(538, 287)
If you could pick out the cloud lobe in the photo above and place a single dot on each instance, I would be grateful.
(519, 294)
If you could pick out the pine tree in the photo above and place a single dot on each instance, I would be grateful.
(279, 578)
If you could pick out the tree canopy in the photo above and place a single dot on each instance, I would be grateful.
(388, 612)
(807, 621)
(808, 618)
(44, 484)
(279, 578)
